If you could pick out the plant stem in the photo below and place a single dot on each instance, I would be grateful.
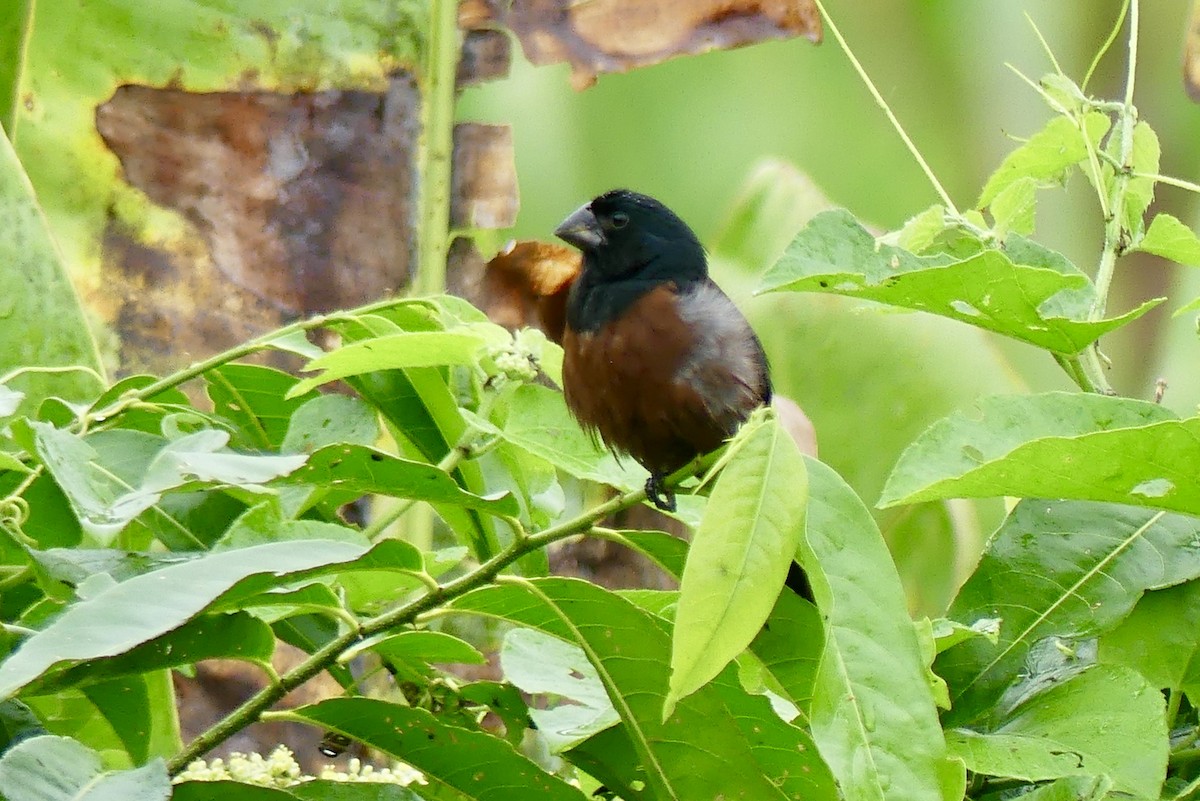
(325, 656)
(437, 147)
(1073, 368)
(247, 348)
(912, 148)
(1114, 226)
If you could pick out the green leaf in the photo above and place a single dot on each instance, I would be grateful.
(328, 420)
(1161, 639)
(363, 470)
(316, 790)
(1171, 239)
(540, 664)
(415, 650)
(1024, 291)
(740, 556)
(719, 740)
(1072, 788)
(1060, 445)
(117, 620)
(789, 648)
(456, 761)
(235, 636)
(59, 769)
(922, 230)
(539, 422)
(873, 713)
(1057, 573)
(41, 322)
(107, 494)
(1140, 191)
(396, 351)
(1047, 156)
(1103, 721)
(1013, 209)
(255, 399)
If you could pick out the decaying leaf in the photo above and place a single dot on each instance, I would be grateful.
(527, 283)
(596, 36)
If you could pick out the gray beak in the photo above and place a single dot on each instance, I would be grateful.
(581, 229)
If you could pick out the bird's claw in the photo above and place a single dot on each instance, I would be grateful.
(658, 494)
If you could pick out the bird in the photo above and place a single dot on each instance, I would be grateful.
(657, 360)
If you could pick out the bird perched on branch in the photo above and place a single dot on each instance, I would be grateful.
(656, 358)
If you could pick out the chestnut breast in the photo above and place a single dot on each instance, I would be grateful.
(670, 378)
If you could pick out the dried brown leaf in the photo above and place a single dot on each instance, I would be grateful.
(597, 36)
(527, 283)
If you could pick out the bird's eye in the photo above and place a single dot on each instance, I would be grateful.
(620, 219)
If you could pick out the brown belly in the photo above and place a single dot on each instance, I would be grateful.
(620, 382)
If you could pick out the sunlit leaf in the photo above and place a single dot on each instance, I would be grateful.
(363, 470)
(1047, 156)
(1022, 291)
(1061, 445)
(119, 619)
(397, 351)
(740, 555)
(540, 664)
(1171, 239)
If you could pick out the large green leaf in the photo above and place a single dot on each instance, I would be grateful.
(40, 318)
(461, 763)
(873, 713)
(1057, 573)
(1161, 639)
(1104, 721)
(59, 769)
(718, 741)
(1060, 445)
(119, 619)
(740, 556)
(233, 636)
(1022, 291)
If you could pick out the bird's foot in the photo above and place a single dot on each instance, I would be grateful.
(658, 494)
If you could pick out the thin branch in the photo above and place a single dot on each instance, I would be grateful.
(327, 655)
(1112, 37)
(912, 148)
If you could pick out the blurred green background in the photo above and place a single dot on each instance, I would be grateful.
(691, 131)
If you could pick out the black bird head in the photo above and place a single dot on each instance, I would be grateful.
(629, 236)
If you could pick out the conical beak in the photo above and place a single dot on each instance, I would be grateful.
(581, 229)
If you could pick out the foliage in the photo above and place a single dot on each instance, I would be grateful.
(145, 528)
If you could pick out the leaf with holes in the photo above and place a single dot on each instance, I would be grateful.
(1104, 721)
(719, 740)
(1059, 445)
(1057, 573)
(1022, 291)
